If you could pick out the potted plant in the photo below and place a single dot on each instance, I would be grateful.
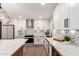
(67, 39)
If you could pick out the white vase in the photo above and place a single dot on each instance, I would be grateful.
(67, 42)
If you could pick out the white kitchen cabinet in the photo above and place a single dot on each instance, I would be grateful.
(61, 12)
(74, 16)
(42, 41)
(46, 45)
(38, 40)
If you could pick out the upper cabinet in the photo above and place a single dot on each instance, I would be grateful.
(74, 15)
(60, 14)
(66, 16)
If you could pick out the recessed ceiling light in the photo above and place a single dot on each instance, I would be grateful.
(43, 4)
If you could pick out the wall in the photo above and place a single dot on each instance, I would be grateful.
(60, 13)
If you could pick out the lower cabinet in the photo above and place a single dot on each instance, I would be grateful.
(41, 41)
(50, 50)
(19, 52)
(46, 45)
(38, 40)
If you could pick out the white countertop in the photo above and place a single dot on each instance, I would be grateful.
(63, 48)
(8, 47)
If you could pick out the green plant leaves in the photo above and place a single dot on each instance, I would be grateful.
(67, 38)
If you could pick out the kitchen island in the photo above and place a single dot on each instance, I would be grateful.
(62, 48)
(9, 47)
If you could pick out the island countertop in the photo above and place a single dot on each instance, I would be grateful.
(8, 47)
(63, 48)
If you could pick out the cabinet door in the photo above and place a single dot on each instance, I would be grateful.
(61, 12)
(46, 45)
(41, 40)
(10, 32)
(4, 32)
(74, 16)
(36, 40)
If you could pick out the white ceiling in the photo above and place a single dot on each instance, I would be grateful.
(29, 10)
